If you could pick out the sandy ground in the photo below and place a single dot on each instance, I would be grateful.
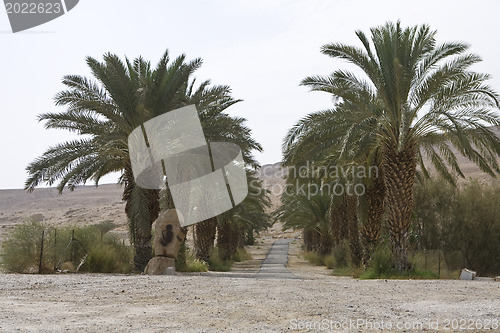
(113, 303)
(221, 302)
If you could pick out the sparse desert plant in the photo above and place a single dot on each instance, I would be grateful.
(105, 226)
(463, 222)
(329, 261)
(20, 252)
(187, 262)
(341, 255)
(215, 262)
(242, 255)
(69, 248)
(314, 258)
(109, 257)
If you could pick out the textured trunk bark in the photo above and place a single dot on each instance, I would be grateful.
(375, 196)
(142, 209)
(335, 217)
(227, 240)
(352, 222)
(399, 169)
(339, 223)
(325, 244)
(308, 241)
(205, 238)
(241, 236)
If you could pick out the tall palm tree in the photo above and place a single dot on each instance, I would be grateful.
(249, 214)
(319, 138)
(218, 126)
(417, 97)
(104, 110)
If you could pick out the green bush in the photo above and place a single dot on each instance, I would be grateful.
(86, 248)
(339, 258)
(242, 255)
(314, 258)
(380, 263)
(341, 255)
(20, 251)
(380, 267)
(196, 265)
(181, 260)
(109, 257)
(463, 222)
(215, 263)
(329, 261)
(186, 261)
(250, 237)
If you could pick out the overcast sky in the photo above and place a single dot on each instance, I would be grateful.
(261, 48)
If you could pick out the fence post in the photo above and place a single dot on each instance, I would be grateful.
(41, 254)
(55, 249)
(425, 258)
(439, 261)
(72, 245)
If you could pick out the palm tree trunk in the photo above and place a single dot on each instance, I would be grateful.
(352, 222)
(375, 196)
(227, 239)
(242, 230)
(205, 237)
(142, 209)
(399, 169)
(326, 243)
(339, 226)
(307, 235)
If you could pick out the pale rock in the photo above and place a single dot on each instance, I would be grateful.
(160, 266)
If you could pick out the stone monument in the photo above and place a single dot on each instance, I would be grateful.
(168, 237)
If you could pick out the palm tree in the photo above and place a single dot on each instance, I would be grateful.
(309, 212)
(218, 126)
(319, 138)
(416, 97)
(104, 110)
(250, 214)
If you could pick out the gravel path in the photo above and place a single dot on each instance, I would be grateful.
(274, 266)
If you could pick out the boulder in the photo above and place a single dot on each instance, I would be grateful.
(160, 266)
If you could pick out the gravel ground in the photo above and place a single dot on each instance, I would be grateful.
(138, 303)
(236, 302)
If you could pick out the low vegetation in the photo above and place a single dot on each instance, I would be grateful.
(453, 228)
(82, 249)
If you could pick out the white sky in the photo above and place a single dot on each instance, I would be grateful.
(262, 49)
